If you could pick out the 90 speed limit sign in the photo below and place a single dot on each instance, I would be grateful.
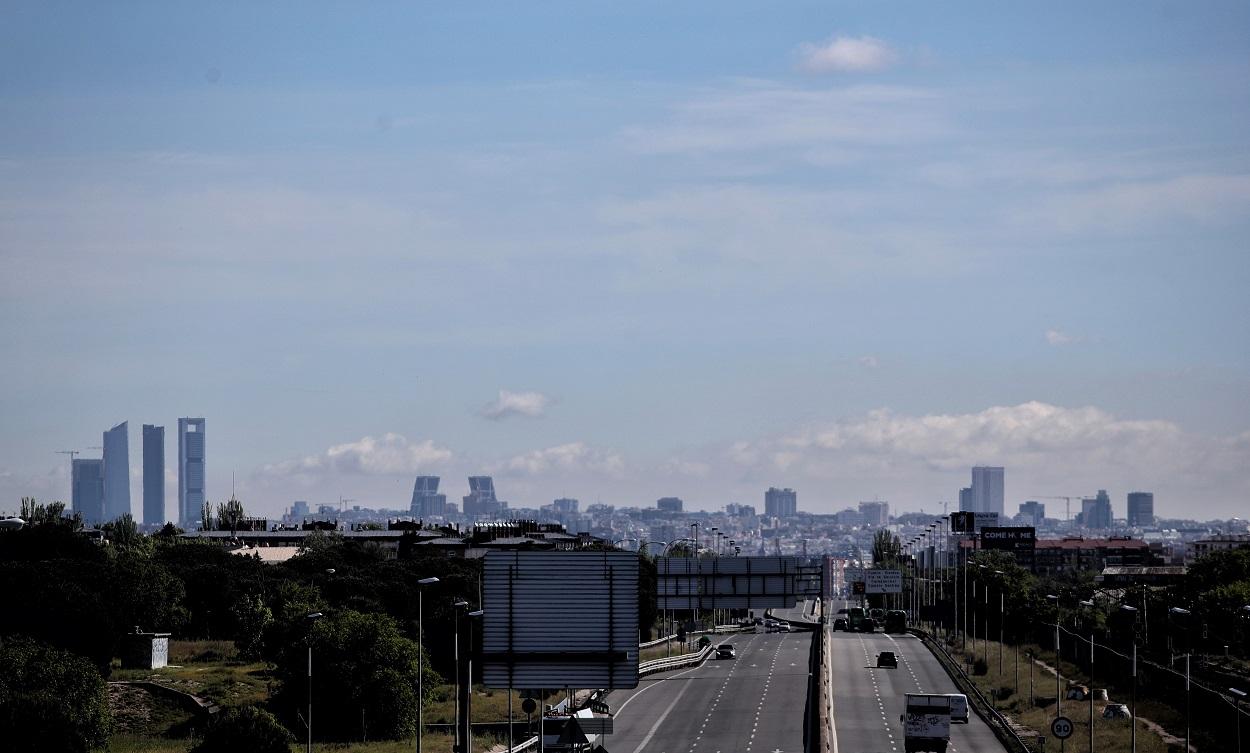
(1061, 727)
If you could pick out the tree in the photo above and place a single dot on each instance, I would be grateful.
(885, 549)
(50, 700)
(364, 677)
(245, 728)
(230, 514)
(252, 618)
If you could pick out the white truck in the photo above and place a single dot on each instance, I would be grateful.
(926, 722)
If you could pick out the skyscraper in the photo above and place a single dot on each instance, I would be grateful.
(190, 471)
(426, 501)
(153, 475)
(1096, 511)
(116, 472)
(965, 499)
(481, 499)
(876, 513)
(87, 495)
(1141, 509)
(987, 489)
(1032, 512)
(669, 504)
(781, 503)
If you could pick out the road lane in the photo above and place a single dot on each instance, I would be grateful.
(867, 701)
(752, 704)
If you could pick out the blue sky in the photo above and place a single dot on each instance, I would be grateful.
(624, 251)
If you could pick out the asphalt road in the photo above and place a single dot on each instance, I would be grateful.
(867, 701)
(751, 704)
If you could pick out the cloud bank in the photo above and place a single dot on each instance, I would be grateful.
(847, 55)
(508, 404)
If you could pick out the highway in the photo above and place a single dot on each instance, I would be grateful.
(867, 701)
(753, 704)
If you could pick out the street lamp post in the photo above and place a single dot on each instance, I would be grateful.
(1002, 606)
(421, 584)
(1133, 711)
(311, 618)
(1181, 612)
(1089, 604)
(1058, 658)
(468, 682)
(1238, 695)
(456, 606)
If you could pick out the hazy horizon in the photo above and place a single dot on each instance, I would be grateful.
(619, 253)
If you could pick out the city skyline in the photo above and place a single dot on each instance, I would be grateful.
(648, 251)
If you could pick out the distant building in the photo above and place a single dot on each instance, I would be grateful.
(740, 511)
(116, 472)
(1141, 509)
(299, 510)
(191, 471)
(849, 517)
(781, 503)
(965, 499)
(87, 495)
(987, 489)
(481, 499)
(426, 501)
(564, 504)
(153, 475)
(1218, 543)
(875, 513)
(669, 504)
(1096, 511)
(1032, 513)
(666, 532)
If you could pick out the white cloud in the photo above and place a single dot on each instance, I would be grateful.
(1135, 207)
(570, 458)
(847, 54)
(532, 404)
(869, 362)
(1056, 337)
(389, 454)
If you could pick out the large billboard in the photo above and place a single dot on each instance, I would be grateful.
(876, 581)
(560, 619)
(1010, 538)
(688, 583)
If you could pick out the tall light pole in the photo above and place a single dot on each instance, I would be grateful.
(1238, 695)
(421, 584)
(1059, 659)
(468, 681)
(311, 618)
(1180, 612)
(456, 606)
(1133, 710)
(1002, 607)
(1089, 604)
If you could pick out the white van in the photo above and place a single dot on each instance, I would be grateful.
(959, 707)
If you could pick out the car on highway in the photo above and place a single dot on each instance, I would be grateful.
(841, 624)
(783, 627)
(887, 659)
(959, 708)
(1115, 711)
(725, 651)
(770, 626)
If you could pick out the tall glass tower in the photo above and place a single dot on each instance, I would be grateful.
(88, 491)
(116, 472)
(190, 471)
(153, 475)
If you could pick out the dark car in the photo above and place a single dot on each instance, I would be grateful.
(840, 624)
(887, 659)
(725, 651)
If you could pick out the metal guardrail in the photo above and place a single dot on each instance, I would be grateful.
(660, 665)
(657, 641)
(529, 744)
(997, 721)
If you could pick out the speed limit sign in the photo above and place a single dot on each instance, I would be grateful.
(1061, 727)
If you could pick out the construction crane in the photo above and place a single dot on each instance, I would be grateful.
(343, 503)
(71, 454)
(1067, 500)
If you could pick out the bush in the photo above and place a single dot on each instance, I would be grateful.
(245, 728)
(50, 700)
(979, 667)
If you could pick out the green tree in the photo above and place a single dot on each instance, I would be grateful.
(245, 728)
(885, 549)
(364, 677)
(50, 700)
(252, 618)
(230, 514)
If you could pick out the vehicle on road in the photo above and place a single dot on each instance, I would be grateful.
(1115, 711)
(844, 610)
(725, 651)
(770, 626)
(860, 621)
(783, 627)
(959, 708)
(926, 723)
(896, 621)
(887, 659)
(841, 624)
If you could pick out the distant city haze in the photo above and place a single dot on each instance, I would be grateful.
(624, 254)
